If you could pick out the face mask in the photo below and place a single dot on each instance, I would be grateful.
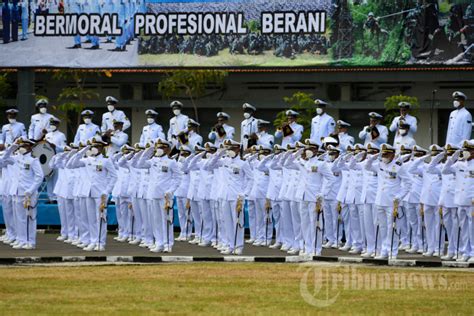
(181, 159)
(319, 111)
(176, 112)
(309, 154)
(456, 104)
(332, 158)
(22, 151)
(362, 157)
(231, 153)
(52, 128)
(150, 120)
(246, 115)
(159, 152)
(466, 155)
(386, 160)
(403, 132)
(261, 157)
(94, 151)
(87, 121)
(111, 108)
(43, 110)
(89, 153)
(11, 121)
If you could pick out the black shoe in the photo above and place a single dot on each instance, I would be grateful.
(75, 46)
(108, 41)
(87, 41)
(116, 49)
(94, 47)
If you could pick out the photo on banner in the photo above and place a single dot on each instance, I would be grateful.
(237, 33)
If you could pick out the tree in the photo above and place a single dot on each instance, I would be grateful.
(191, 84)
(392, 109)
(5, 88)
(303, 103)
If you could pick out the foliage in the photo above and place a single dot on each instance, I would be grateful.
(392, 109)
(190, 84)
(303, 103)
(73, 98)
(5, 88)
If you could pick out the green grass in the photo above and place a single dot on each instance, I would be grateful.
(231, 288)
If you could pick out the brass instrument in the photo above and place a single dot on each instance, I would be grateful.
(287, 130)
(219, 129)
(183, 137)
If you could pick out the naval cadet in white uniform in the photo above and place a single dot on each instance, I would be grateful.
(322, 125)
(221, 131)
(87, 130)
(375, 132)
(290, 130)
(13, 129)
(263, 137)
(178, 123)
(112, 115)
(39, 121)
(460, 121)
(248, 127)
(404, 119)
(152, 131)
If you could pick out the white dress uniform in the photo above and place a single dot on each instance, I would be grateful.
(194, 139)
(293, 138)
(181, 192)
(117, 140)
(463, 198)
(265, 139)
(459, 127)
(150, 133)
(30, 177)
(345, 140)
(410, 120)
(274, 187)
(229, 134)
(247, 128)
(389, 188)
(237, 173)
(163, 183)
(58, 139)
(12, 131)
(85, 132)
(108, 119)
(178, 124)
(405, 141)
(367, 137)
(39, 122)
(129, 219)
(100, 179)
(322, 126)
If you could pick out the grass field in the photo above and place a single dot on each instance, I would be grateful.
(234, 288)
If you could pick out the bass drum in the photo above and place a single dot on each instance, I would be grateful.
(44, 152)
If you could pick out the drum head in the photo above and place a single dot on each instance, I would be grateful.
(44, 152)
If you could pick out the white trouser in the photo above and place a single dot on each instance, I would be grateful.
(50, 184)
(385, 219)
(264, 222)
(84, 222)
(146, 208)
(222, 222)
(71, 219)
(25, 220)
(215, 221)
(161, 224)
(309, 220)
(450, 221)
(346, 224)
(356, 227)
(66, 217)
(77, 217)
(122, 219)
(412, 212)
(97, 221)
(403, 224)
(286, 224)
(330, 220)
(296, 221)
(133, 213)
(369, 227)
(207, 222)
(252, 217)
(464, 213)
(182, 215)
(276, 215)
(471, 231)
(432, 227)
(234, 225)
(197, 219)
(9, 217)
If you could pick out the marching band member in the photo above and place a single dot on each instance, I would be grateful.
(152, 131)
(113, 115)
(322, 125)
(193, 139)
(374, 132)
(221, 131)
(178, 123)
(181, 192)
(460, 121)
(87, 130)
(404, 125)
(40, 121)
(403, 137)
(290, 131)
(248, 127)
(116, 138)
(12, 130)
(344, 138)
(263, 137)
(57, 139)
